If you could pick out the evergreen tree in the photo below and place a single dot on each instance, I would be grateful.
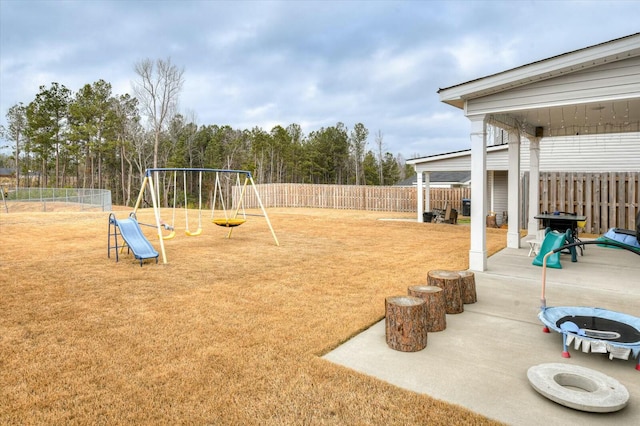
(390, 169)
(47, 127)
(89, 115)
(357, 145)
(371, 169)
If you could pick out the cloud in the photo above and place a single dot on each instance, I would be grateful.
(476, 55)
(314, 63)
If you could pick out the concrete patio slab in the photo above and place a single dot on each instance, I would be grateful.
(481, 360)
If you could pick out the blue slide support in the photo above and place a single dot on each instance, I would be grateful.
(552, 241)
(133, 237)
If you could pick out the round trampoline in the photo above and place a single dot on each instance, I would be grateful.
(596, 330)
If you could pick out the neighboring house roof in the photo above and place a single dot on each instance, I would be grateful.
(449, 178)
(453, 154)
(6, 172)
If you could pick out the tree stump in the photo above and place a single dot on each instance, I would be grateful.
(449, 281)
(434, 298)
(468, 287)
(406, 323)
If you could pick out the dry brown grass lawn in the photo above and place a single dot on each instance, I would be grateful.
(229, 332)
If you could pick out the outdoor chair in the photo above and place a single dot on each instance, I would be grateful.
(444, 216)
(438, 215)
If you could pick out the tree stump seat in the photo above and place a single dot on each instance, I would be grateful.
(468, 287)
(434, 299)
(449, 282)
(406, 323)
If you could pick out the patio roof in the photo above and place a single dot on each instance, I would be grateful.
(550, 97)
(595, 90)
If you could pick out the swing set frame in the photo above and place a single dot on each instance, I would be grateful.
(229, 222)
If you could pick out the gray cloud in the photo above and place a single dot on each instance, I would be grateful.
(313, 63)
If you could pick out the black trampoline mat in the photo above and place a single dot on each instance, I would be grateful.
(603, 328)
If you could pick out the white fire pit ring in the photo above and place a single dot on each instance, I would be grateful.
(578, 387)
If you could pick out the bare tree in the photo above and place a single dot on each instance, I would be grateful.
(158, 91)
(126, 126)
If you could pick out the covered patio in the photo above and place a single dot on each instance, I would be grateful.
(595, 90)
(480, 360)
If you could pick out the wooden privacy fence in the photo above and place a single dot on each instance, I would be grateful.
(608, 200)
(356, 197)
(439, 197)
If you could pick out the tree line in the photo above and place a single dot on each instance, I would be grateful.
(94, 138)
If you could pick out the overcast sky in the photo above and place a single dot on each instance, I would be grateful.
(314, 63)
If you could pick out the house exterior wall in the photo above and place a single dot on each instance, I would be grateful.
(585, 153)
(613, 80)
(500, 194)
(617, 152)
(462, 162)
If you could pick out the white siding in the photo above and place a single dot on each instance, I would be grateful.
(618, 152)
(605, 82)
(498, 160)
(434, 164)
(500, 194)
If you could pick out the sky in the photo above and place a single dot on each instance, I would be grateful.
(313, 63)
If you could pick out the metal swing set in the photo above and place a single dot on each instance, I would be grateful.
(231, 217)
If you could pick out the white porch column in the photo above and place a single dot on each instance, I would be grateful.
(427, 191)
(420, 192)
(534, 185)
(513, 200)
(478, 251)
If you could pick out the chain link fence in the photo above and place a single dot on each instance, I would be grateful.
(54, 199)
